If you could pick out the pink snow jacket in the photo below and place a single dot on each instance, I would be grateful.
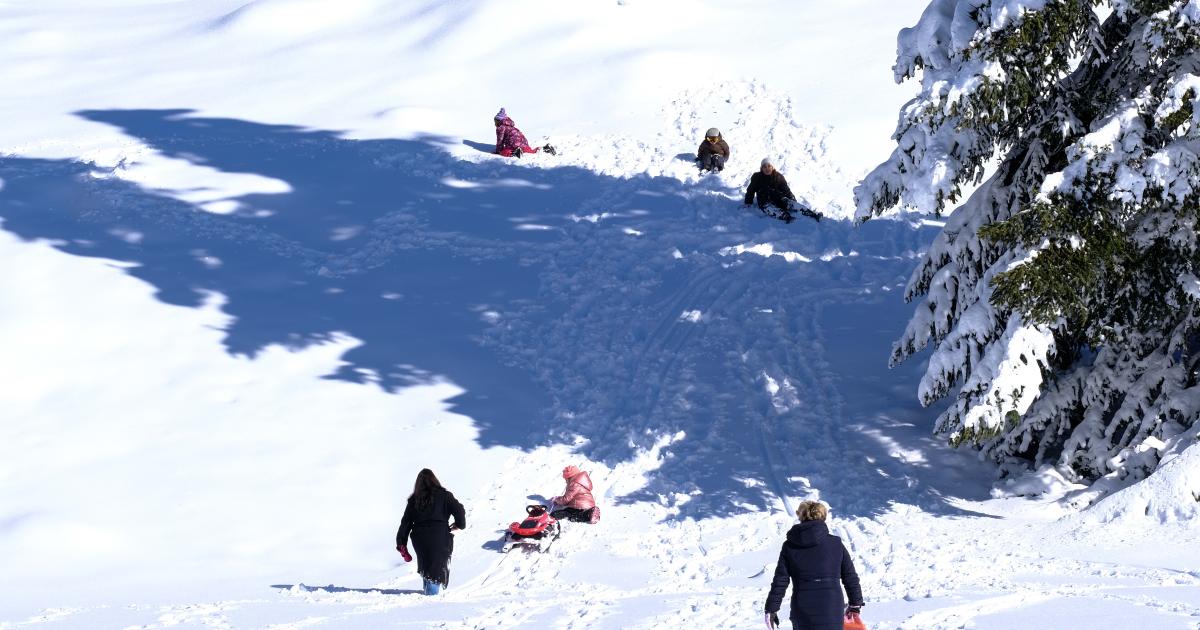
(509, 138)
(578, 494)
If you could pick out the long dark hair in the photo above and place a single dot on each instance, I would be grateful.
(423, 489)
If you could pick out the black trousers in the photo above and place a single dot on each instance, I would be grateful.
(776, 199)
(573, 514)
(713, 162)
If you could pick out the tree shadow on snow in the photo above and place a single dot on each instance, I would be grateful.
(479, 272)
(358, 245)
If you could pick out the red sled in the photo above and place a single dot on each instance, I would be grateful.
(537, 531)
(854, 624)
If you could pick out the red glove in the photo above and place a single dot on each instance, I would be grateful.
(403, 549)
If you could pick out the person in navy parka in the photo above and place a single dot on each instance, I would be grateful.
(817, 565)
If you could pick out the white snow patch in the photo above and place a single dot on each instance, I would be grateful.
(206, 259)
(460, 184)
(1190, 284)
(1045, 482)
(345, 233)
(765, 250)
(132, 237)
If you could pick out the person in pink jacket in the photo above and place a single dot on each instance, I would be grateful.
(576, 503)
(510, 142)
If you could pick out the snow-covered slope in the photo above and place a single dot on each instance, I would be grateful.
(382, 69)
(262, 269)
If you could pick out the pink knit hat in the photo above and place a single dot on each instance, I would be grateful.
(570, 471)
(501, 115)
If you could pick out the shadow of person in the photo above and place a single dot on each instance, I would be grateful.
(330, 588)
(483, 147)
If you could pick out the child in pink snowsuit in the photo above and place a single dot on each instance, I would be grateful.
(509, 140)
(576, 502)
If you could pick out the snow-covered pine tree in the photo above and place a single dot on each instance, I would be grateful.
(1063, 296)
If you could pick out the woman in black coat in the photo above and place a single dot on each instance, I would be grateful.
(426, 519)
(817, 565)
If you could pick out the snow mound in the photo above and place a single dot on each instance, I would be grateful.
(1171, 494)
(760, 122)
(1047, 482)
(755, 120)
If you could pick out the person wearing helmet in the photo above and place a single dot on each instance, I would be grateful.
(771, 189)
(713, 152)
(510, 142)
(576, 503)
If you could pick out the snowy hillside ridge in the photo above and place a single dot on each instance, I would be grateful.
(1035, 296)
(413, 67)
(262, 267)
(1170, 494)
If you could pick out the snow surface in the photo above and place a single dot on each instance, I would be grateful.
(262, 268)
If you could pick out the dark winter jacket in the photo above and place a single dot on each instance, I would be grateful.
(771, 189)
(817, 565)
(720, 147)
(430, 530)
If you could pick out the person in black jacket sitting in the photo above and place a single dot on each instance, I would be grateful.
(814, 562)
(426, 519)
(771, 188)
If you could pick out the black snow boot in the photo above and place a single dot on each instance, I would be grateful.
(812, 214)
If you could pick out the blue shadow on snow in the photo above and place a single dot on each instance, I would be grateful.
(413, 252)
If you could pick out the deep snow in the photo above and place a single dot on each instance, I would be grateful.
(262, 269)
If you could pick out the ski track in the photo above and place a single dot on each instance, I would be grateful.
(767, 419)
